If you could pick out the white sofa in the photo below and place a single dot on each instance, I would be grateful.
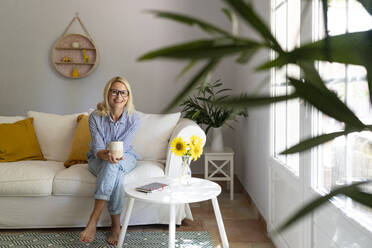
(45, 194)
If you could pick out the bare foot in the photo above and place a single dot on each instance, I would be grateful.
(88, 234)
(114, 236)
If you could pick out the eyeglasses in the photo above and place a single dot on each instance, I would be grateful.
(123, 93)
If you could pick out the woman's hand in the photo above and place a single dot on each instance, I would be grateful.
(107, 155)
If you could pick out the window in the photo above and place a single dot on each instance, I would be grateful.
(345, 159)
(286, 120)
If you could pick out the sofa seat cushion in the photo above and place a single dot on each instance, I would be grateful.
(78, 181)
(28, 178)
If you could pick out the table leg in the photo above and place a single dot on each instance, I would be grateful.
(221, 227)
(126, 221)
(172, 226)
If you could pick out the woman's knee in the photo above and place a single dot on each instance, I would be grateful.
(110, 167)
(129, 163)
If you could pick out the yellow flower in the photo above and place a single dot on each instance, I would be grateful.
(196, 151)
(195, 141)
(178, 146)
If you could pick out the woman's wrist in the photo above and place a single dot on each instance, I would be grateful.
(102, 154)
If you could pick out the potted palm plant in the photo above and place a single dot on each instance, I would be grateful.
(200, 108)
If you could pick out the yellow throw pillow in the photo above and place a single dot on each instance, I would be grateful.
(80, 143)
(18, 141)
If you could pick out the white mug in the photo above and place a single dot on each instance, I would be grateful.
(116, 148)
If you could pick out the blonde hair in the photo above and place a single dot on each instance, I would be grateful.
(103, 108)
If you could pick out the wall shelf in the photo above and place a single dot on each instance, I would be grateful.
(84, 58)
(72, 48)
(73, 63)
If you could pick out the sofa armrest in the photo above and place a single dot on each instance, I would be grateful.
(185, 128)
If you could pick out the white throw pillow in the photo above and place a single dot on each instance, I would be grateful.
(54, 133)
(151, 140)
(10, 119)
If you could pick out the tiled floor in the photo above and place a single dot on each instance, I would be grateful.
(242, 222)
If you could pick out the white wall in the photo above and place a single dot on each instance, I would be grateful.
(252, 136)
(122, 32)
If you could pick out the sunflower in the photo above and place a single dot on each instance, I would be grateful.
(196, 151)
(195, 141)
(178, 146)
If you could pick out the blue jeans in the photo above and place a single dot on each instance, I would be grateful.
(110, 180)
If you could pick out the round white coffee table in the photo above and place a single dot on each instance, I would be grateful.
(199, 190)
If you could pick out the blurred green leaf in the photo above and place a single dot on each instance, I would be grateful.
(209, 28)
(245, 101)
(312, 142)
(192, 83)
(312, 75)
(228, 14)
(369, 81)
(246, 56)
(327, 102)
(250, 16)
(350, 48)
(326, 30)
(201, 49)
(352, 189)
(187, 68)
(361, 197)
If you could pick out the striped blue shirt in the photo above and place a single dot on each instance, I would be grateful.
(103, 130)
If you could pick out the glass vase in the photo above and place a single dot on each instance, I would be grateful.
(185, 177)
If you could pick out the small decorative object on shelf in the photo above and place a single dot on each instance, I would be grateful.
(187, 151)
(75, 73)
(86, 57)
(75, 55)
(66, 59)
(75, 44)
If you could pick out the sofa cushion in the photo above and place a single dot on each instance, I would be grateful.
(151, 140)
(18, 142)
(28, 178)
(78, 181)
(80, 143)
(10, 119)
(55, 134)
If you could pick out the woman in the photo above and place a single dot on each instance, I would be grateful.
(114, 120)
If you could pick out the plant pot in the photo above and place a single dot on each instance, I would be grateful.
(217, 140)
